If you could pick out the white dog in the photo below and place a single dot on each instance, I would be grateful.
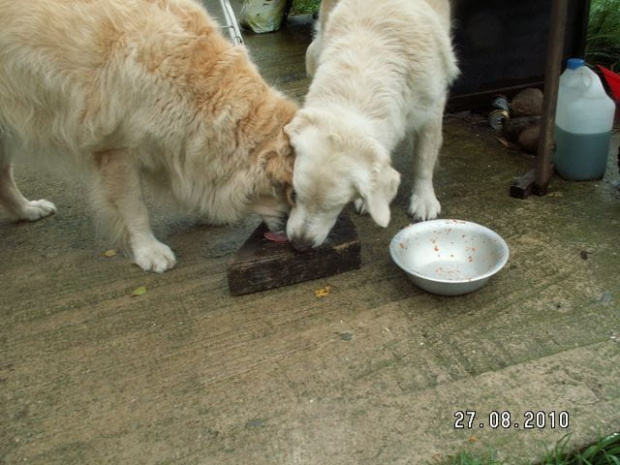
(381, 70)
(132, 90)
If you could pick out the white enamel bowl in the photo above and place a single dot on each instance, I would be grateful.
(449, 257)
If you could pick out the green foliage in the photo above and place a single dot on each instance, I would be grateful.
(305, 7)
(603, 43)
(471, 458)
(606, 451)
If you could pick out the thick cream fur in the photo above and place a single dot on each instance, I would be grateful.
(133, 90)
(381, 71)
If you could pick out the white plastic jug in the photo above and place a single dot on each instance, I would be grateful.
(583, 123)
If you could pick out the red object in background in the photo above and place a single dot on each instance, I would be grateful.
(613, 80)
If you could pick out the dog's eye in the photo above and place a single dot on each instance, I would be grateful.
(291, 196)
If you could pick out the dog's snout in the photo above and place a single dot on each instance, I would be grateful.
(301, 243)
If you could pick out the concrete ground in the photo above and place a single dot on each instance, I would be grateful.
(373, 373)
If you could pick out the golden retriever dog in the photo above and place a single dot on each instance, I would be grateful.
(140, 90)
(381, 71)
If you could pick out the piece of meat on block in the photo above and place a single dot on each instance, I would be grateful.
(261, 264)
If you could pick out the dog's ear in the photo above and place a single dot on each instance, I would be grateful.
(278, 161)
(379, 185)
(301, 120)
(279, 169)
(379, 193)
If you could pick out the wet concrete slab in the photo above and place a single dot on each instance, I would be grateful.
(370, 371)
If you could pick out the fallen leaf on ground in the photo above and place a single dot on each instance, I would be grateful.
(110, 253)
(323, 291)
(139, 291)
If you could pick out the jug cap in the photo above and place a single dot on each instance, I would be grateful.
(574, 63)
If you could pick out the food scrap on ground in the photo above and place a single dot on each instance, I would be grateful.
(323, 291)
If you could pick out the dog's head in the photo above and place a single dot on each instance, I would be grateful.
(335, 164)
(275, 197)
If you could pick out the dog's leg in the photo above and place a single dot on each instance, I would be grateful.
(424, 205)
(118, 190)
(360, 206)
(12, 199)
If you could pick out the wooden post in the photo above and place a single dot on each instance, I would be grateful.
(555, 51)
(537, 182)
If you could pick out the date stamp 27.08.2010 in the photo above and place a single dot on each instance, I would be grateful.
(528, 420)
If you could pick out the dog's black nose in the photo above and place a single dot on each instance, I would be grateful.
(301, 244)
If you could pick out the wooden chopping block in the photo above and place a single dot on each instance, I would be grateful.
(261, 264)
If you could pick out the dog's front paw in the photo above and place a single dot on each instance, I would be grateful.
(36, 209)
(360, 206)
(154, 256)
(424, 207)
